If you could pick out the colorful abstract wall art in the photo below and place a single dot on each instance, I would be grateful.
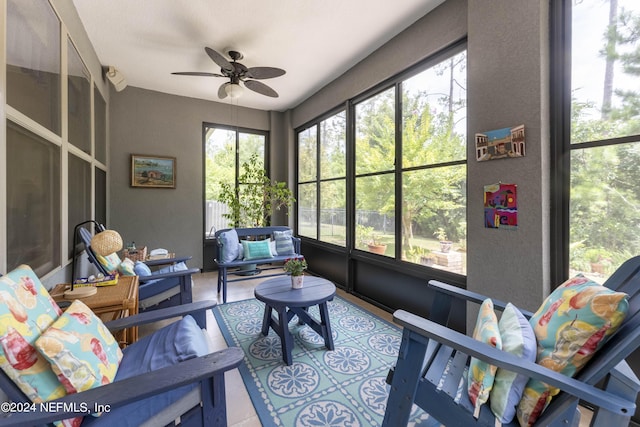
(501, 206)
(500, 144)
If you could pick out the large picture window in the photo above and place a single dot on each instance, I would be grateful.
(407, 153)
(604, 141)
(322, 196)
(59, 188)
(226, 150)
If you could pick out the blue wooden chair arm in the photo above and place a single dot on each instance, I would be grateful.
(134, 388)
(179, 273)
(161, 314)
(467, 345)
(166, 261)
(459, 293)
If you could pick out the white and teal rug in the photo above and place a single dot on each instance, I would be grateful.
(344, 387)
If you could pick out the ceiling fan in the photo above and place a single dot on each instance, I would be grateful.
(236, 73)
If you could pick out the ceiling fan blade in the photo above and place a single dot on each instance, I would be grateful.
(219, 59)
(197, 73)
(261, 88)
(222, 93)
(264, 72)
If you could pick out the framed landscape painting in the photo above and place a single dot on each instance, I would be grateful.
(153, 171)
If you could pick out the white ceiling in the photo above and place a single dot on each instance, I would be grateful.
(315, 41)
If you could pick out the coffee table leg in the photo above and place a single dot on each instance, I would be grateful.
(286, 340)
(326, 326)
(266, 320)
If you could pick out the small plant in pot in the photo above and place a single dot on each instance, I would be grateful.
(295, 267)
(445, 243)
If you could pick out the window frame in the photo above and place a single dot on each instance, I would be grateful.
(208, 232)
(394, 81)
(561, 34)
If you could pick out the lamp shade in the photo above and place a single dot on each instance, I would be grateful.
(234, 90)
(106, 242)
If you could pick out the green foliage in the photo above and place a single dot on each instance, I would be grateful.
(253, 202)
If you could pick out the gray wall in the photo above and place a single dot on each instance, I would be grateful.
(508, 78)
(153, 123)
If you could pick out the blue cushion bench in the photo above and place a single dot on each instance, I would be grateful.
(226, 259)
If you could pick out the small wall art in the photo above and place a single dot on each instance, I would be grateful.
(153, 171)
(501, 206)
(500, 144)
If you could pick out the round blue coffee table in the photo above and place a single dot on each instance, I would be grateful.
(278, 296)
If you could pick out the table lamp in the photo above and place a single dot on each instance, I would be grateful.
(104, 243)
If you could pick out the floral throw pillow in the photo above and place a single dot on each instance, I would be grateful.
(481, 374)
(26, 310)
(81, 350)
(570, 326)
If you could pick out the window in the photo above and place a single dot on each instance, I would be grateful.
(79, 101)
(100, 214)
(375, 173)
(33, 201)
(33, 61)
(322, 197)
(38, 207)
(79, 198)
(434, 165)
(226, 150)
(604, 140)
(409, 171)
(100, 132)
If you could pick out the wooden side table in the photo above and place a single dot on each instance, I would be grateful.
(111, 303)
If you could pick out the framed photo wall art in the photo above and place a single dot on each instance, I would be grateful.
(153, 171)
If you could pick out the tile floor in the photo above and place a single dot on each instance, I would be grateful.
(240, 410)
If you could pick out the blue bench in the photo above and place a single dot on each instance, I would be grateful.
(232, 265)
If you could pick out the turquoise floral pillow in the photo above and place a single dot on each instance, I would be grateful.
(481, 374)
(81, 350)
(570, 326)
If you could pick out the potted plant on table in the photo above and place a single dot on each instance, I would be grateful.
(295, 267)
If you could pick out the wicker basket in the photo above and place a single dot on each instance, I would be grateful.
(139, 254)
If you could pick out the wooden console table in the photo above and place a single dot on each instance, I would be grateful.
(111, 303)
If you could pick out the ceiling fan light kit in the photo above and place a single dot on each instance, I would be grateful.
(236, 73)
(233, 90)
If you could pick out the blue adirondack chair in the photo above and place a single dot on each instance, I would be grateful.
(192, 388)
(162, 288)
(428, 345)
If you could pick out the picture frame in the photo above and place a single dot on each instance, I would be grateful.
(153, 171)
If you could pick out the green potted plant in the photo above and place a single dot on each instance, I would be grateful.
(295, 267)
(252, 204)
(370, 239)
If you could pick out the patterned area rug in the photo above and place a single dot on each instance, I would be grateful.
(344, 387)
